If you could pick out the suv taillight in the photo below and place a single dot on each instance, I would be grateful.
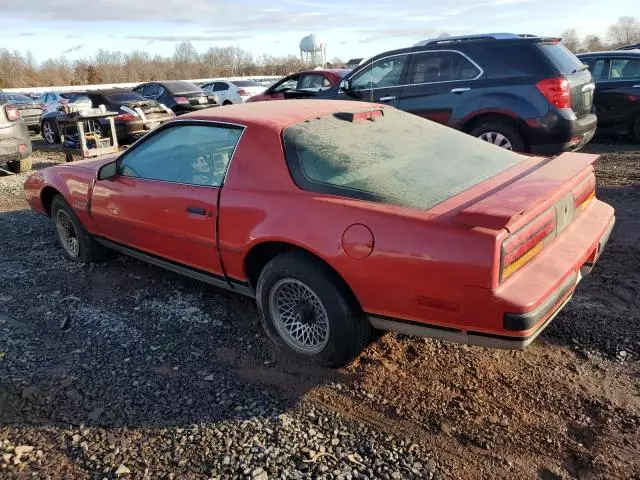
(521, 247)
(556, 90)
(12, 113)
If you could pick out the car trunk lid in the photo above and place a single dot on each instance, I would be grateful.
(535, 190)
(195, 98)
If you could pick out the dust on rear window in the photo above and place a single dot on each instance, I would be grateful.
(400, 159)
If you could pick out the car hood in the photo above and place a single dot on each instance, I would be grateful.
(93, 164)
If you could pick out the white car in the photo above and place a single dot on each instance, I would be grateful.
(53, 100)
(237, 91)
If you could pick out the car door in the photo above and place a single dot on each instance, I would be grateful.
(381, 81)
(221, 89)
(617, 96)
(164, 198)
(440, 86)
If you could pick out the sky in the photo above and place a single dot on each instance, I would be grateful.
(350, 28)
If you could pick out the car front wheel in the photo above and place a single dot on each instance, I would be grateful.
(76, 242)
(307, 310)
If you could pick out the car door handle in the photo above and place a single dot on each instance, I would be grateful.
(197, 211)
(460, 90)
(387, 99)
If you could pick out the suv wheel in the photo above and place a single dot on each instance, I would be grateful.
(20, 166)
(500, 134)
(306, 311)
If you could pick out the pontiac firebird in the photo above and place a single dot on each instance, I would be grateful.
(338, 217)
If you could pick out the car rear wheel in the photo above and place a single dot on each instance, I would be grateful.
(227, 102)
(49, 133)
(76, 242)
(20, 166)
(307, 311)
(500, 134)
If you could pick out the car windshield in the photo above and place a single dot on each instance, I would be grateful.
(66, 96)
(246, 83)
(19, 98)
(399, 158)
(126, 97)
(181, 87)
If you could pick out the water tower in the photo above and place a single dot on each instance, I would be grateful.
(313, 49)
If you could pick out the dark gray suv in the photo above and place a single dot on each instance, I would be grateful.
(15, 144)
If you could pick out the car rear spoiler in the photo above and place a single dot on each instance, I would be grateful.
(499, 209)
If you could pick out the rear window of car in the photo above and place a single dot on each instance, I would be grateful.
(246, 83)
(181, 87)
(126, 97)
(399, 159)
(19, 98)
(515, 60)
(565, 61)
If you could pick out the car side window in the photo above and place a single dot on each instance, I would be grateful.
(189, 154)
(432, 67)
(599, 69)
(386, 72)
(286, 84)
(151, 91)
(311, 81)
(81, 100)
(624, 69)
(220, 86)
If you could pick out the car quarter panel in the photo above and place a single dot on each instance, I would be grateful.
(419, 265)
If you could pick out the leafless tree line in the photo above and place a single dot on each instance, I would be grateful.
(21, 70)
(626, 31)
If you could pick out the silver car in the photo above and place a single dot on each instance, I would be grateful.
(15, 144)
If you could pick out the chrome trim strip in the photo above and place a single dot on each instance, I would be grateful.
(410, 54)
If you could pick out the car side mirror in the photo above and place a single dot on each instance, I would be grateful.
(108, 171)
(345, 85)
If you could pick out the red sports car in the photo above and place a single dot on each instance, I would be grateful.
(337, 217)
(301, 84)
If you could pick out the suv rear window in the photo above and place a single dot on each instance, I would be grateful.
(565, 61)
(519, 60)
(399, 159)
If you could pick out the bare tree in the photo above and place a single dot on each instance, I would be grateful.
(571, 40)
(625, 31)
(592, 43)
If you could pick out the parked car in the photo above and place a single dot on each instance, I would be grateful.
(492, 243)
(523, 93)
(179, 96)
(617, 96)
(15, 144)
(53, 100)
(238, 91)
(30, 110)
(301, 85)
(137, 115)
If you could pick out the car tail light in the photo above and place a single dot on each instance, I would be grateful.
(22, 148)
(41, 105)
(181, 99)
(556, 90)
(584, 193)
(12, 112)
(63, 101)
(125, 117)
(523, 245)
(243, 93)
(634, 98)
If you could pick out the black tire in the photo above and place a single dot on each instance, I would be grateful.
(348, 329)
(20, 166)
(227, 102)
(88, 250)
(52, 138)
(636, 130)
(509, 132)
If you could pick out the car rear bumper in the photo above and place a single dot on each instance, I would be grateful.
(10, 141)
(560, 132)
(523, 307)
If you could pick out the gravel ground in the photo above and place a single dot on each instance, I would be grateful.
(125, 370)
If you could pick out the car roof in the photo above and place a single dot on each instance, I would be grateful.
(277, 115)
(611, 53)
